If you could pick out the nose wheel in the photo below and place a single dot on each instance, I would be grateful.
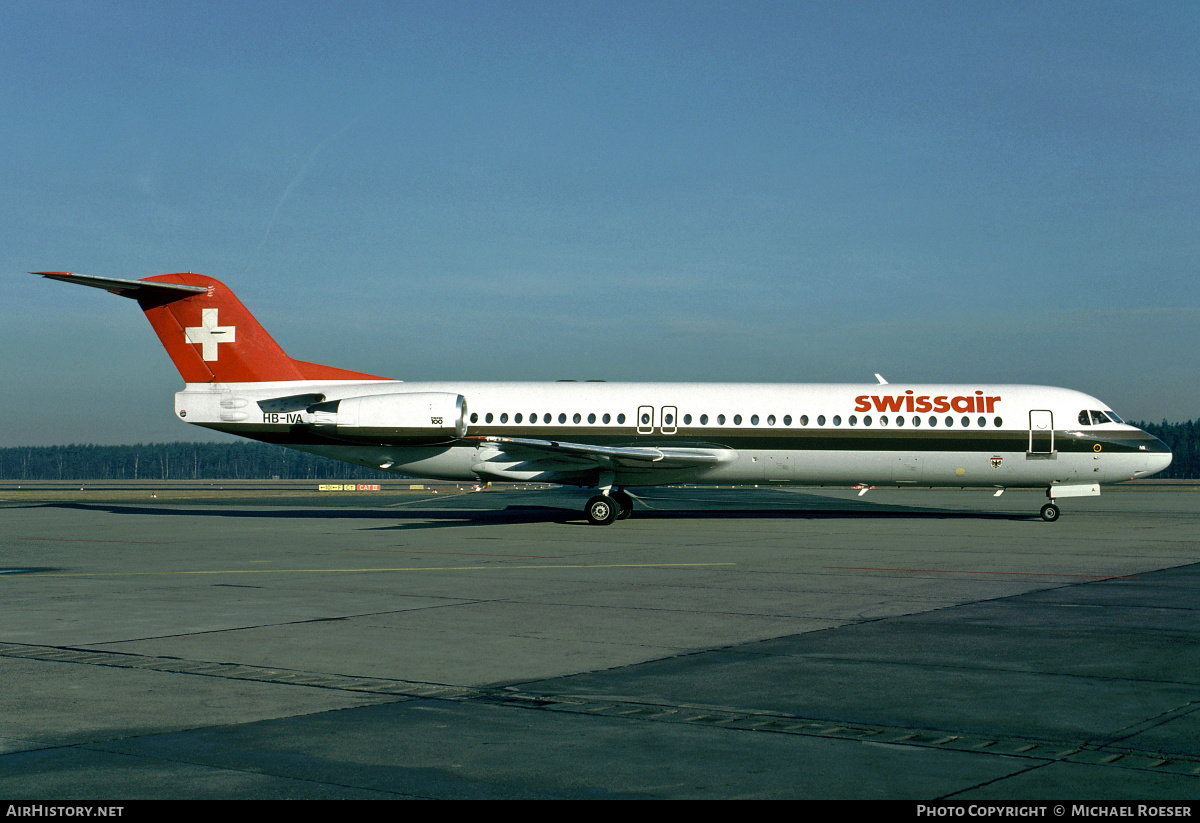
(1050, 512)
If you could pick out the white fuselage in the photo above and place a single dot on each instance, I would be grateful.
(876, 434)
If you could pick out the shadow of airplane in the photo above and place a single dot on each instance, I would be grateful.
(571, 515)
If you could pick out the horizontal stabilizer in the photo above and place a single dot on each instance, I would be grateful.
(136, 289)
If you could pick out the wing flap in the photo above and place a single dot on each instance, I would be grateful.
(639, 456)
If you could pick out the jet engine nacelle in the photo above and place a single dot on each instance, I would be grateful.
(420, 414)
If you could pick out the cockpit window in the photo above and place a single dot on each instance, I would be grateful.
(1093, 417)
(1085, 418)
(1112, 415)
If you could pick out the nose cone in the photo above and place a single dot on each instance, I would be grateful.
(1158, 462)
(1157, 457)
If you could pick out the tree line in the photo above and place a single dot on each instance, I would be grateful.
(175, 461)
(261, 461)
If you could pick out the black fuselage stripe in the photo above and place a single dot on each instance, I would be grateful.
(780, 440)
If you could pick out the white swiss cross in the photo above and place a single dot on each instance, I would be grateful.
(209, 335)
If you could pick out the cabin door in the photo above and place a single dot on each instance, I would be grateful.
(1041, 432)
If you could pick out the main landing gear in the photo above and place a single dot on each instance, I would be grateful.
(606, 508)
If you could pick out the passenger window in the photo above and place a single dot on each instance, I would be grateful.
(720, 420)
(737, 420)
(820, 420)
(517, 418)
(949, 421)
(754, 420)
(770, 420)
(998, 422)
(687, 420)
(837, 420)
(487, 418)
(787, 420)
(562, 418)
(982, 422)
(474, 417)
(804, 420)
(546, 417)
(966, 421)
(504, 417)
(867, 420)
(591, 418)
(621, 418)
(607, 418)
(576, 418)
(932, 420)
(853, 421)
(704, 420)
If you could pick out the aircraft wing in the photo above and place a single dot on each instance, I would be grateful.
(633, 456)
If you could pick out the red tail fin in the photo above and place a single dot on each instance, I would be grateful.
(212, 337)
(208, 333)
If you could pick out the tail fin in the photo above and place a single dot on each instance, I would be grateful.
(210, 336)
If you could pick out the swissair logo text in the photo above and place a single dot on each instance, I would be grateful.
(911, 402)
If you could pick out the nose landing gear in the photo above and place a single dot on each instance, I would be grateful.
(1050, 512)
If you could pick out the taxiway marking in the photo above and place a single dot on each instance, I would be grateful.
(967, 571)
(123, 542)
(394, 569)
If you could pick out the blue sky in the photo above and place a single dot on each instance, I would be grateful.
(796, 191)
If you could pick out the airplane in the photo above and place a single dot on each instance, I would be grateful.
(609, 436)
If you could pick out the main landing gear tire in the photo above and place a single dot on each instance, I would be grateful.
(602, 510)
(624, 501)
(1049, 512)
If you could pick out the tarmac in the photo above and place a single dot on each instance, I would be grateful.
(754, 643)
